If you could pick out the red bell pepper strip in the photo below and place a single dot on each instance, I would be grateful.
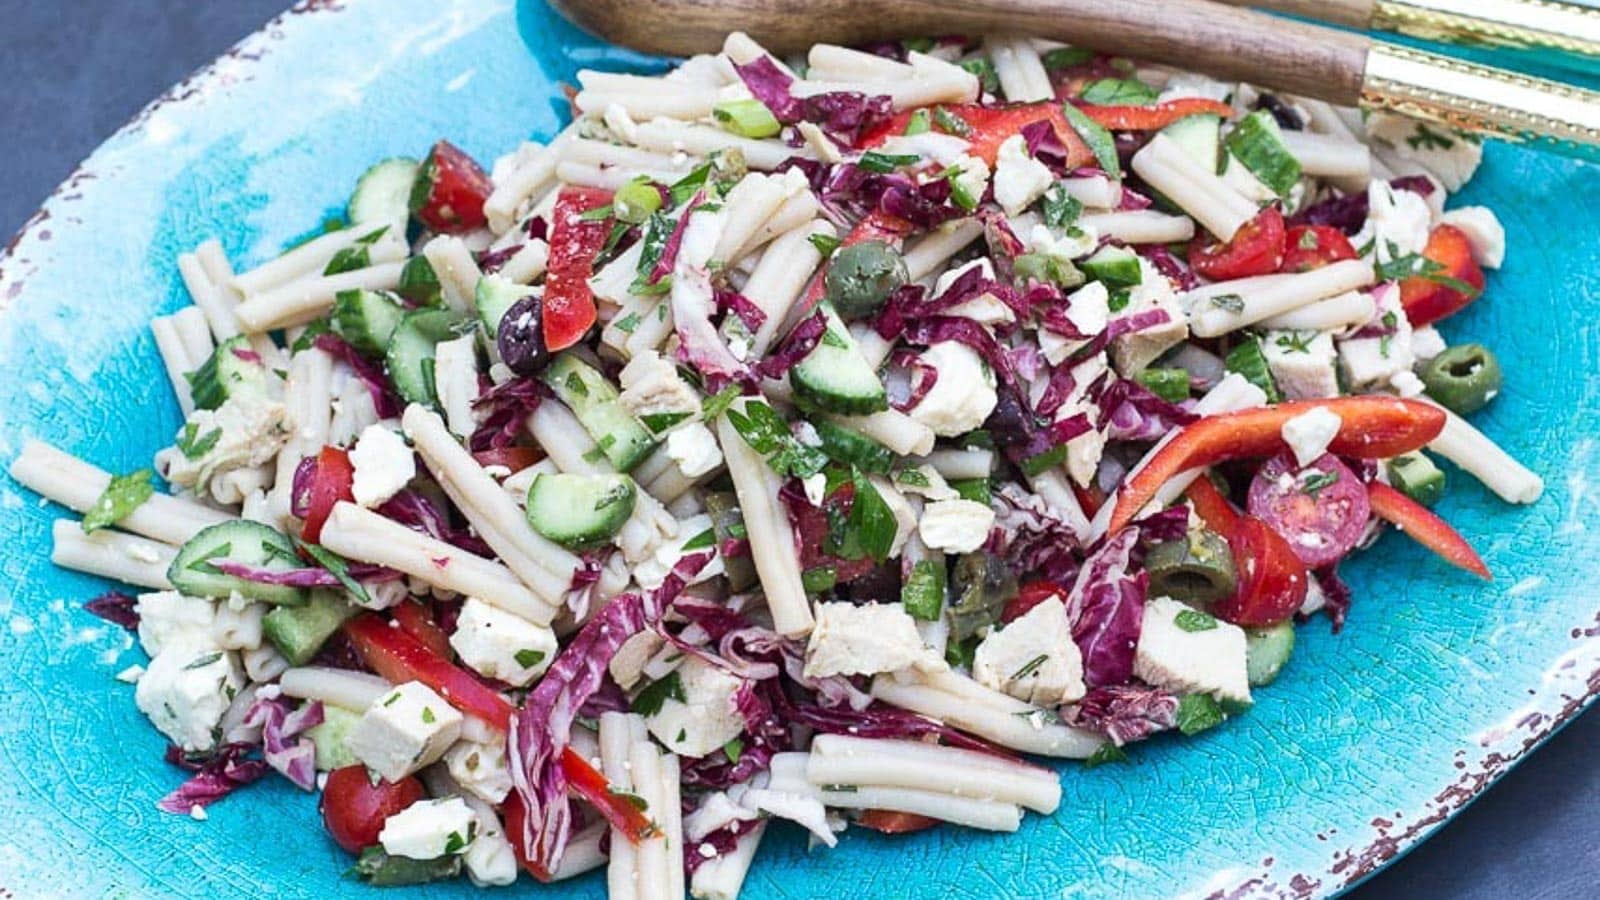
(1212, 508)
(1154, 116)
(569, 309)
(1372, 427)
(1429, 298)
(450, 190)
(989, 126)
(332, 479)
(515, 458)
(1425, 528)
(618, 809)
(1030, 595)
(1257, 248)
(398, 656)
(418, 622)
(888, 821)
(516, 819)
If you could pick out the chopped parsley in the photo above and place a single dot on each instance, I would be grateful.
(122, 496)
(1197, 712)
(1118, 92)
(194, 445)
(1031, 667)
(1192, 620)
(1415, 265)
(825, 243)
(1295, 342)
(655, 694)
(529, 658)
(1318, 482)
(733, 750)
(1105, 753)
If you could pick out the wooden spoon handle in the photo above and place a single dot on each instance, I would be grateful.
(1349, 13)
(1226, 42)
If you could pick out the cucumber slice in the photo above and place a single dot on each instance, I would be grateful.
(1113, 266)
(1415, 475)
(580, 511)
(367, 319)
(250, 543)
(300, 631)
(383, 192)
(409, 357)
(332, 736)
(419, 283)
(851, 447)
(494, 295)
(1258, 145)
(834, 377)
(1266, 650)
(234, 370)
(1200, 136)
(622, 438)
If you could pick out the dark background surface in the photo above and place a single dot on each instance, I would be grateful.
(72, 73)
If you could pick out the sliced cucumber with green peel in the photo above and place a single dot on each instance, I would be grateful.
(494, 295)
(367, 319)
(331, 738)
(1200, 136)
(300, 631)
(622, 438)
(234, 370)
(411, 351)
(1266, 650)
(834, 377)
(1257, 143)
(853, 448)
(1415, 475)
(580, 511)
(242, 541)
(1114, 267)
(419, 283)
(383, 192)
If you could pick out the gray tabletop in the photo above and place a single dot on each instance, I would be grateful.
(74, 77)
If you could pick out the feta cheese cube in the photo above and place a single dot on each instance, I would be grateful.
(651, 572)
(1302, 363)
(383, 465)
(168, 617)
(944, 149)
(1089, 311)
(404, 730)
(955, 526)
(1132, 352)
(651, 386)
(706, 718)
(963, 395)
(1484, 232)
(862, 640)
(497, 644)
(480, 768)
(1077, 243)
(694, 448)
(1019, 179)
(1309, 434)
(429, 829)
(251, 429)
(489, 859)
(1398, 222)
(1426, 343)
(1208, 660)
(185, 691)
(1033, 658)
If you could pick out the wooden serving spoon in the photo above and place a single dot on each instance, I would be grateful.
(1223, 41)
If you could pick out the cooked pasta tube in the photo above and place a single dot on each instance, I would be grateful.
(344, 688)
(771, 537)
(1225, 306)
(1475, 453)
(1142, 226)
(838, 759)
(306, 298)
(77, 485)
(780, 276)
(1019, 69)
(959, 701)
(1197, 191)
(458, 272)
(111, 554)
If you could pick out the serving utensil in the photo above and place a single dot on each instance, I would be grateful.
(1223, 41)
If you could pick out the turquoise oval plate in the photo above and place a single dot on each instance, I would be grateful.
(1369, 741)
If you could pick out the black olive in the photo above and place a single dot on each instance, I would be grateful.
(521, 336)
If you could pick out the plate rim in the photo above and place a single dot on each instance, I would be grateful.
(1349, 866)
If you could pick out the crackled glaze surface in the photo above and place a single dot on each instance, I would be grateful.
(1370, 739)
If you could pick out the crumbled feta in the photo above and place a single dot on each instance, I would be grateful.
(706, 718)
(198, 813)
(862, 640)
(383, 463)
(1372, 362)
(1210, 660)
(187, 688)
(1033, 658)
(1077, 243)
(499, 645)
(1309, 434)
(429, 829)
(652, 571)
(1484, 232)
(1448, 155)
(963, 395)
(651, 385)
(251, 429)
(1019, 179)
(480, 768)
(1426, 343)
(955, 526)
(404, 730)
(168, 617)
(1302, 363)
(1132, 352)
(694, 448)
(131, 674)
(455, 380)
(1089, 311)
(816, 488)
(1398, 222)
(489, 859)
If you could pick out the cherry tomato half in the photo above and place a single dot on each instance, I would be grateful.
(1321, 510)
(514, 458)
(1272, 580)
(332, 477)
(1257, 248)
(354, 809)
(450, 190)
(1309, 247)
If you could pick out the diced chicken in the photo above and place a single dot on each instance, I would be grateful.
(1193, 653)
(1033, 658)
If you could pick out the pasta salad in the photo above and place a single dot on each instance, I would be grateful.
(826, 439)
